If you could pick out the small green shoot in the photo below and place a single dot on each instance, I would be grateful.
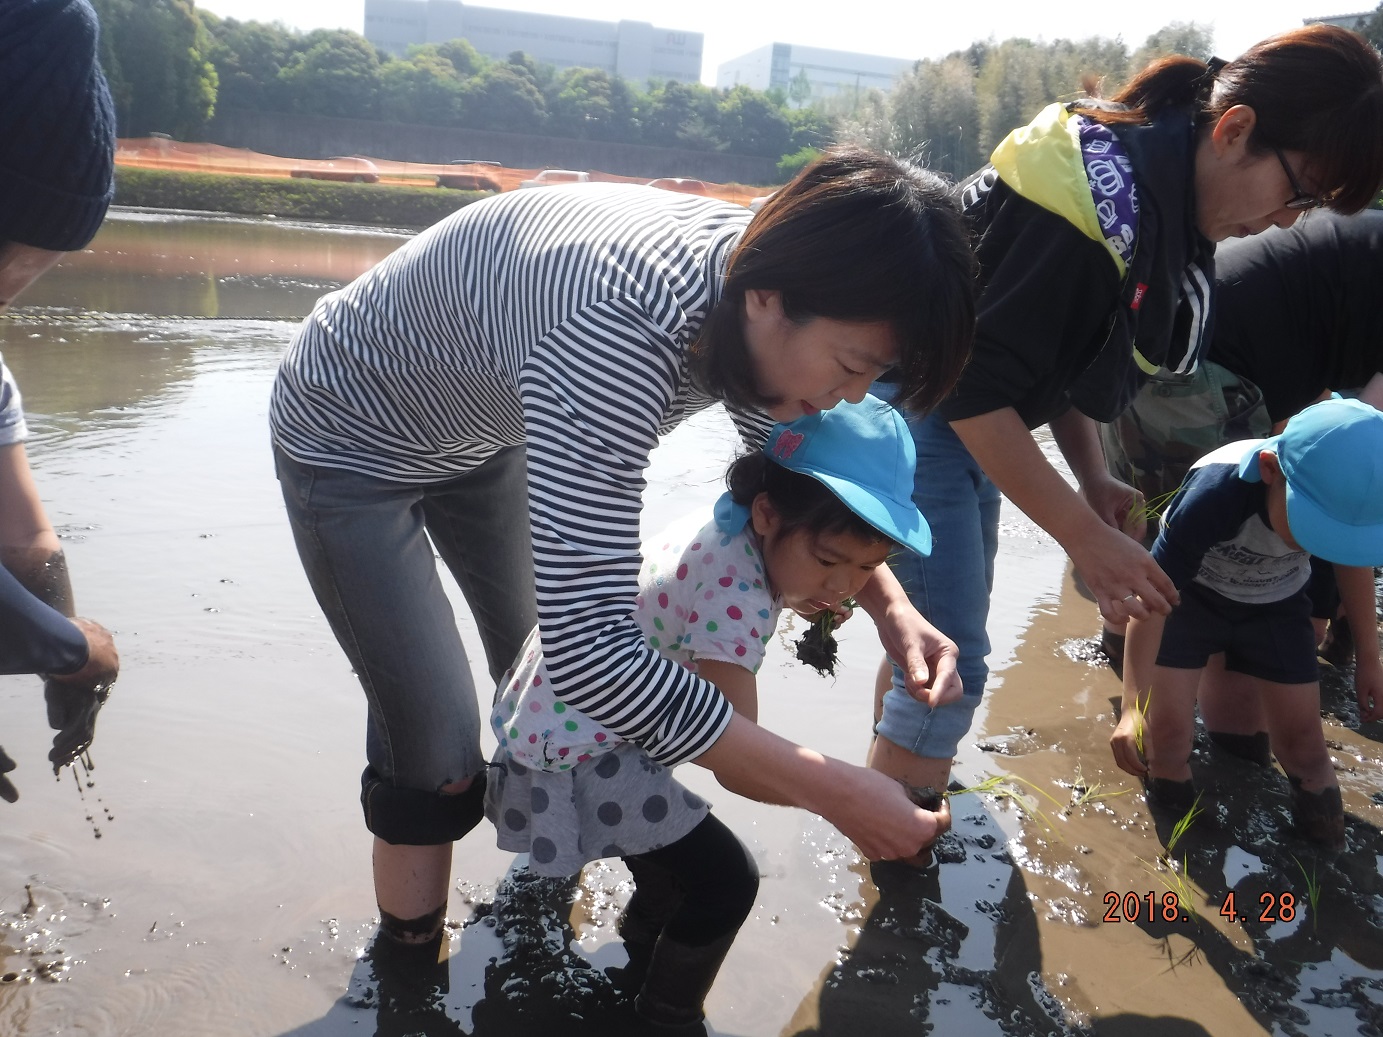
(1149, 509)
(1184, 825)
(1173, 876)
(1010, 787)
(1141, 704)
(1313, 887)
(1083, 792)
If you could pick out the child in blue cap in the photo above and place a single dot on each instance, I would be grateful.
(804, 524)
(1237, 541)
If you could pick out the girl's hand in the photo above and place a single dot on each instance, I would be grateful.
(873, 811)
(1368, 686)
(1124, 741)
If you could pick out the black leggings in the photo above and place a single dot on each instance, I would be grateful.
(705, 883)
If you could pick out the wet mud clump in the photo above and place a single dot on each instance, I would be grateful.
(817, 647)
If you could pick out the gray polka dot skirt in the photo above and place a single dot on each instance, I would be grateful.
(618, 804)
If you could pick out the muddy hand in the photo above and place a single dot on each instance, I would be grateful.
(7, 790)
(72, 713)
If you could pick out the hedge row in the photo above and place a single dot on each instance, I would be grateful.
(383, 205)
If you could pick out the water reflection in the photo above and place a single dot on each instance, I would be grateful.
(182, 266)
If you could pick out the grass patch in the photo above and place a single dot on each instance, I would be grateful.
(377, 205)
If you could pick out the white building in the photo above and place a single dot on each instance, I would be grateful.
(1344, 21)
(807, 74)
(637, 51)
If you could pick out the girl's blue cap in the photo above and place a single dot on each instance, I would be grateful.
(1332, 457)
(863, 453)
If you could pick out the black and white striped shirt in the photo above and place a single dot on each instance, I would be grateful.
(560, 318)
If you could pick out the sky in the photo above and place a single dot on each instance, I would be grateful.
(907, 29)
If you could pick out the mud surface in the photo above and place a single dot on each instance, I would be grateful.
(205, 870)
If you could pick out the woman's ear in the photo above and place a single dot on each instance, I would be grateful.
(1233, 129)
(1269, 470)
(763, 303)
(764, 516)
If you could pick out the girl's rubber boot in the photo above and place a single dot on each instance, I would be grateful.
(679, 978)
(1319, 816)
(655, 899)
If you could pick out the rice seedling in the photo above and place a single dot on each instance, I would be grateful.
(1141, 510)
(1010, 787)
(1183, 826)
(1172, 874)
(817, 647)
(1083, 792)
(1313, 887)
(1140, 704)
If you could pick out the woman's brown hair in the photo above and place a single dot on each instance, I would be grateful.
(1317, 90)
(861, 237)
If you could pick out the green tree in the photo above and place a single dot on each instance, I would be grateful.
(790, 165)
(1371, 27)
(1010, 90)
(800, 89)
(591, 104)
(248, 57)
(423, 88)
(1189, 38)
(155, 54)
(337, 74)
(501, 99)
(935, 115)
(681, 115)
(463, 57)
(752, 125)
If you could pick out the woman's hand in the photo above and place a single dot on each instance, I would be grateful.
(926, 656)
(875, 813)
(1117, 504)
(1122, 576)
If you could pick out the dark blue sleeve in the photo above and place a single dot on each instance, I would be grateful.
(33, 637)
(1212, 505)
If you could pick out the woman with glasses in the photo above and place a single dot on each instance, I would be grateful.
(1097, 225)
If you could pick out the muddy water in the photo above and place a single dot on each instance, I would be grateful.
(209, 874)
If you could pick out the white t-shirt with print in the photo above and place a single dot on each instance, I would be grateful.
(703, 595)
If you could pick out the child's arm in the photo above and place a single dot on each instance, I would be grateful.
(1357, 596)
(736, 683)
(1140, 661)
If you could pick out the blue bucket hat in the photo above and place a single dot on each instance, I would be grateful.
(1332, 457)
(863, 453)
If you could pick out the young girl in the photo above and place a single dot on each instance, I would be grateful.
(805, 524)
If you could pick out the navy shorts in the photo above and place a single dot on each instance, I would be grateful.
(1273, 641)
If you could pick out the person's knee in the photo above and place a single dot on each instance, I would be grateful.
(415, 817)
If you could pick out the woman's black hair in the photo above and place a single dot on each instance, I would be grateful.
(804, 504)
(1317, 90)
(861, 237)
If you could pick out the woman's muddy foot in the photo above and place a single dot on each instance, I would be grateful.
(1179, 796)
(1319, 817)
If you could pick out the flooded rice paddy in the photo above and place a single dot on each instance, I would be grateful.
(206, 871)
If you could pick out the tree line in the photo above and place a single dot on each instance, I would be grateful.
(171, 65)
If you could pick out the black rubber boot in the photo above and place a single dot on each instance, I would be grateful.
(1112, 644)
(1173, 795)
(1319, 816)
(679, 978)
(406, 983)
(656, 898)
(1254, 748)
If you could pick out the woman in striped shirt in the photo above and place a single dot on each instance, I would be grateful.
(496, 386)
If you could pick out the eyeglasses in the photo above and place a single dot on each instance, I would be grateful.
(1301, 199)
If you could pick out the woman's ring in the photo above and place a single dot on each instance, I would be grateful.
(1130, 597)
